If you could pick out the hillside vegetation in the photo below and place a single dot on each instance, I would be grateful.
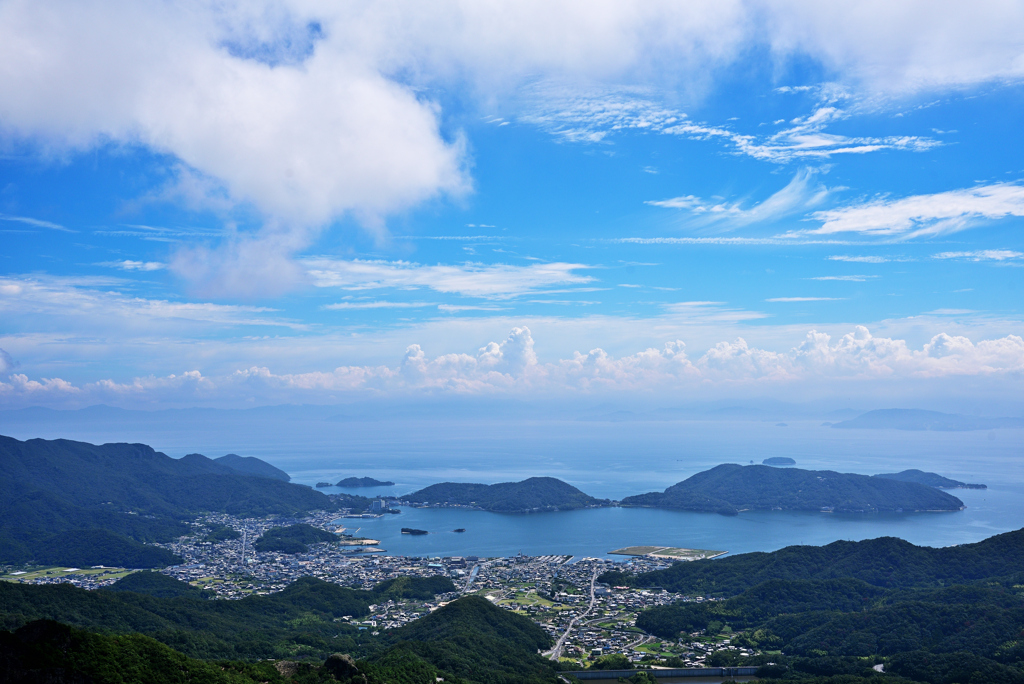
(305, 618)
(133, 493)
(293, 538)
(884, 562)
(930, 479)
(730, 488)
(250, 465)
(533, 494)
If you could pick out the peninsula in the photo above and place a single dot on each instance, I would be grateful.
(531, 495)
(730, 488)
(364, 482)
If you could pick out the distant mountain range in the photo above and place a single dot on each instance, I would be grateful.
(730, 488)
(530, 495)
(917, 419)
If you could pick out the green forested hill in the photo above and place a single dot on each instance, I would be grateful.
(963, 633)
(293, 538)
(533, 494)
(129, 490)
(729, 488)
(250, 465)
(474, 640)
(305, 618)
(884, 562)
(469, 640)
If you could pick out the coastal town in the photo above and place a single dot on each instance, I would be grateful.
(585, 618)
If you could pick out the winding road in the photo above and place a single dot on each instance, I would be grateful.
(556, 652)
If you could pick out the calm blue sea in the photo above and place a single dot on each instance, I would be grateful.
(608, 460)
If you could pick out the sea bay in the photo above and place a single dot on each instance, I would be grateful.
(605, 459)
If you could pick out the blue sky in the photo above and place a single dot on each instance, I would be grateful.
(289, 202)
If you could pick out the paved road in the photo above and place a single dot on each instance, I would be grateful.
(472, 576)
(556, 652)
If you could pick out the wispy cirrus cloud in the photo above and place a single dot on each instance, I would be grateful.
(129, 265)
(804, 299)
(860, 259)
(921, 215)
(488, 281)
(846, 278)
(342, 306)
(982, 255)
(37, 223)
(592, 116)
(800, 194)
(94, 304)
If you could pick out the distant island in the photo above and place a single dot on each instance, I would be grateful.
(729, 488)
(531, 495)
(930, 479)
(364, 482)
(321, 485)
(413, 531)
(917, 419)
(779, 461)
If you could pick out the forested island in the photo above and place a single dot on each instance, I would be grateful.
(730, 488)
(779, 461)
(73, 503)
(531, 495)
(929, 479)
(364, 482)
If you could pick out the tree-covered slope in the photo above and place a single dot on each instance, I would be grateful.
(960, 633)
(474, 640)
(306, 617)
(533, 494)
(293, 538)
(929, 479)
(52, 653)
(129, 490)
(884, 562)
(729, 488)
(250, 465)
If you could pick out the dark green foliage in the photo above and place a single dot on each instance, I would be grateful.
(219, 533)
(155, 584)
(533, 494)
(304, 620)
(250, 465)
(961, 667)
(85, 548)
(729, 488)
(50, 652)
(129, 490)
(293, 539)
(364, 482)
(612, 661)
(352, 501)
(756, 605)
(473, 640)
(929, 479)
(883, 562)
(422, 588)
